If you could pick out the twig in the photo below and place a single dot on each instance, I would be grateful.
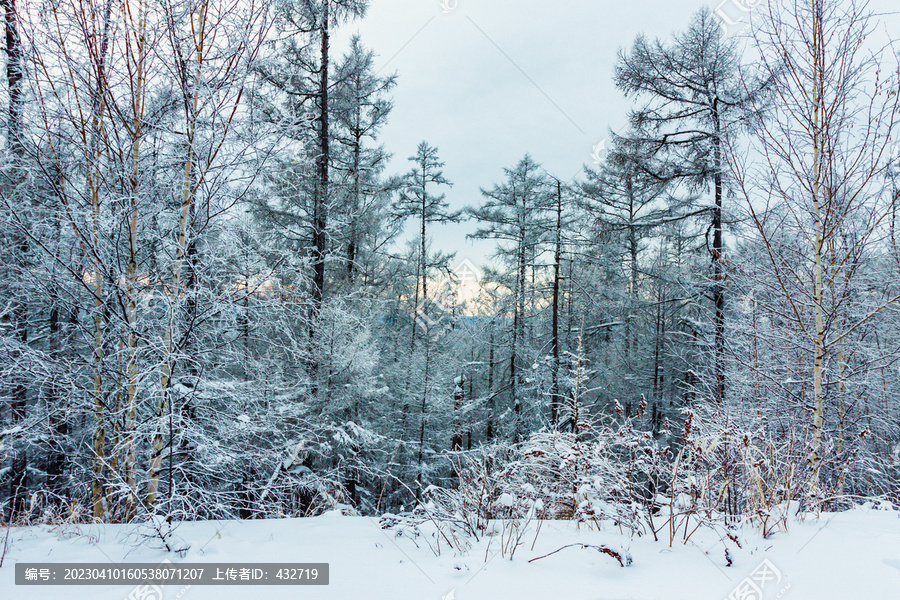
(537, 533)
(623, 561)
(6, 538)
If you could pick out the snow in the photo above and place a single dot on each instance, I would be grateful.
(840, 556)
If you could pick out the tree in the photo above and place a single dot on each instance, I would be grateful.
(133, 111)
(694, 105)
(302, 75)
(319, 16)
(18, 313)
(629, 204)
(362, 107)
(819, 201)
(555, 396)
(212, 77)
(515, 213)
(417, 202)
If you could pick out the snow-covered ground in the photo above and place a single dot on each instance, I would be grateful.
(847, 556)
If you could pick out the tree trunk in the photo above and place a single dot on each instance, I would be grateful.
(353, 243)
(131, 339)
(819, 341)
(554, 325)
(98, 109)
(19, 392)
(518, 313)
(718, 258)
(423, 413)
(459, 393)
(489, 430)
(320, 201)
(633, 275)
(192, 107)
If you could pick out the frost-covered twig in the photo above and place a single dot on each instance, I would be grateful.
(623, 557)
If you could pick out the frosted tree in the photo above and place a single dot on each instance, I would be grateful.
(819, 201)
(629, 205)
(301, 74)
(693, 103)
(16, 315)
(418, 203)
(515, 213)
(362, 106)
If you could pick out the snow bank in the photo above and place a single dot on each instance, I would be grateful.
(848, 555)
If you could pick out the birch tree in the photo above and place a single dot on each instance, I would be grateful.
(212, 59)
(825, 139)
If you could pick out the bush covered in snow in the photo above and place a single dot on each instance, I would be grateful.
(710, 474)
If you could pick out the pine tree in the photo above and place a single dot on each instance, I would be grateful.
(694, 102)
(515, 213)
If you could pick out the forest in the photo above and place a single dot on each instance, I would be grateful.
(218, 302)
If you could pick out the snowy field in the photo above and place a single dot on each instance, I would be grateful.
(848, 555)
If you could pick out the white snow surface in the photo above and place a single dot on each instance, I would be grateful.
(839, 556)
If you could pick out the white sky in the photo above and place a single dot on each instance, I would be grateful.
(490, 80)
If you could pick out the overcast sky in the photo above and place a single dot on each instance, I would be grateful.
(488, 80)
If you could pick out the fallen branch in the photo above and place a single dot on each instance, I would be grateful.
(624, 561)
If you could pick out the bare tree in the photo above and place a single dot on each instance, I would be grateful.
(824, 139)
